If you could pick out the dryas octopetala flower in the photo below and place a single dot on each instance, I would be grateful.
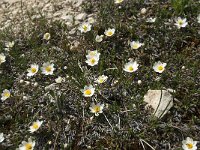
(136, 44)
(109, 32)
(131, 66)
(94, 53)
(92, 58)
(88, 91)
(92, 61)
(2, 58)
(181, 23)
(85, 27)
(1, 137)
(32, 70)
(5, 95)
(198, 18)
(27, 145)
(159, 67)
(96, 108)
(47, 36)
(101, 79)
(99, 38)
(35, 126)
(118, 1)
(189, 144)
(47, 68)
(91, 20)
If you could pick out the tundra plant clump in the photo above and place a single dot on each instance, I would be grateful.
(83, 87)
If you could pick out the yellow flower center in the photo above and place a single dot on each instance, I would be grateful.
(93, 61)
(189, 145)
(6, 94)
(160, 68)
(96, 109)
(130, 68)
(110, 33)
(48, 69)
(135, 46)
(28, 146)
(88, 92)
(119, 1)
(180, 22)
(101, 80)
(47, 36)
(33, 70)
(35, 125)
(85, 27)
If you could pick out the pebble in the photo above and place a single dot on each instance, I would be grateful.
(81, 16)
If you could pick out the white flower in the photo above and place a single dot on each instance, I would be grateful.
(32, 70)
(88, 91)
(92, 58)
(94, 53)
(159, 67)
(35, 126)
(10, 44)
(1, 137)
(136, 44)
(131, 66)
(198, 18)
(92, 61)
(85, 27)
(109, 32)
(91, 20)
(118, 1)
(151, 20)
(5, 95)
(47, 68)
(189, 144)
(99, 38)
(96, 108)
(47, 36)
(59, 80)
(181, 23)
(27, 145)
(2, 58)
(101, 79)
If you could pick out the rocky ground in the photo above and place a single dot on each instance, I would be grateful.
(12, 11)
(19, 14)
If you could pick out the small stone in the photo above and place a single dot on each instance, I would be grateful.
(35, 84)
(69, 24)
(21, 81)
(50, 87)
(78, 3)
(25, 98)
(68, 18)
(139, 82)
(143, 11)
(160, 100)
(81, 16)
(27, 82)
(72, 31)
(59, 80)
